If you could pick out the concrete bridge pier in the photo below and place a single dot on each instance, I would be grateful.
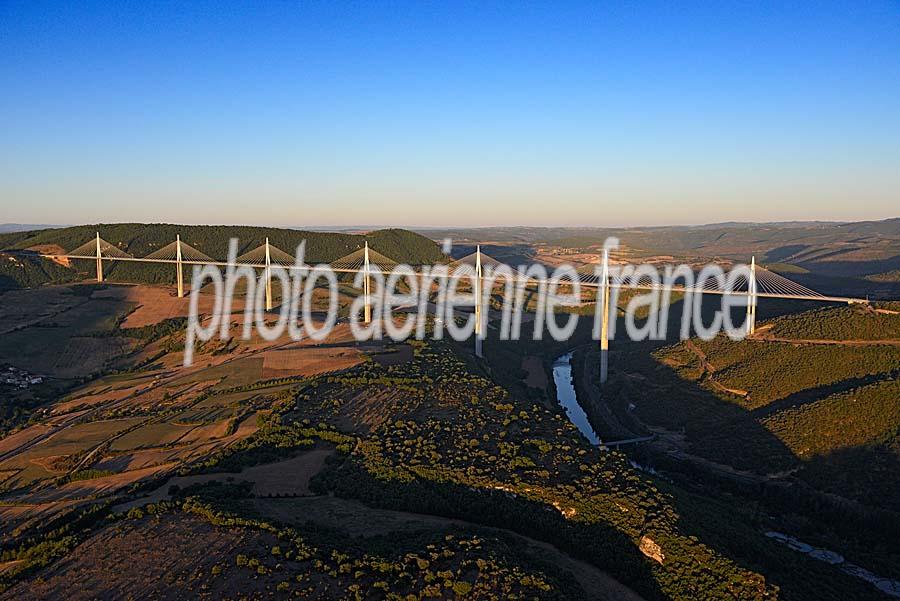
(268, 274)
(367, 309)
(99, 260)
(751, 298)
(603, 294)
(479, 327)
(179, 271)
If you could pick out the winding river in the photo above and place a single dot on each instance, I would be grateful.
(565, 394)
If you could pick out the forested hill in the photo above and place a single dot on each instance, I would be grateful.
(139, 240)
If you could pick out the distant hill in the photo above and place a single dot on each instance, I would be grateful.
(780, 224)
(24, 227)
(140, 239)
(834, 249)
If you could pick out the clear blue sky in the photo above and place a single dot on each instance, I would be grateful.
(557, 113)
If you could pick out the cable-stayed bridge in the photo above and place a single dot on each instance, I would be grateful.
(754, 283)
(768, 284)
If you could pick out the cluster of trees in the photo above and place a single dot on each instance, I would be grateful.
(309, 561)
(158, 330)
(47, 542)
(460, 446)
(87, 474)
(28, 272)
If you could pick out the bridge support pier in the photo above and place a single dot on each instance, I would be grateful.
(603, 298)
(99, 260)
(268, 277)
(367, 309)
(179, 272)
(751, 299)
(479, 327)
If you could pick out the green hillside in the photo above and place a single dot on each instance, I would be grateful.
(26, 272)
(887, 276)
(769, 371)
(827, 413)
(140, 240)
(857, 322)
(844, 420)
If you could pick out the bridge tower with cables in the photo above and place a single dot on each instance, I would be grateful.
(179, 253)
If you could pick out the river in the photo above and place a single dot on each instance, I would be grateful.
(565, 394)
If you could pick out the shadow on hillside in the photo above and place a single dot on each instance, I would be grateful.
(784, 252)
(682, 410)
(853, 268)
(599, 544)
(511, 254)
(867, 474)
(8, 283)
(74, 333)
(811, 395)
(840, 497)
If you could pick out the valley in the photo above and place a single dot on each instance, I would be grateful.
(419, 469)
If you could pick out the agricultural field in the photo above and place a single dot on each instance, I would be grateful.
(140, 416)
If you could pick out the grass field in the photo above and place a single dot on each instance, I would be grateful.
(151, 435)
(51, 331)
(80, 437)
(22, 437)
(308, 361)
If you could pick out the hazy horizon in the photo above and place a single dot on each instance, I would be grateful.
(373, 226)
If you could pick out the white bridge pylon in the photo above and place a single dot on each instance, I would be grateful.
(97, 249)
(266, 255)
(180, 253)
(363, 260)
